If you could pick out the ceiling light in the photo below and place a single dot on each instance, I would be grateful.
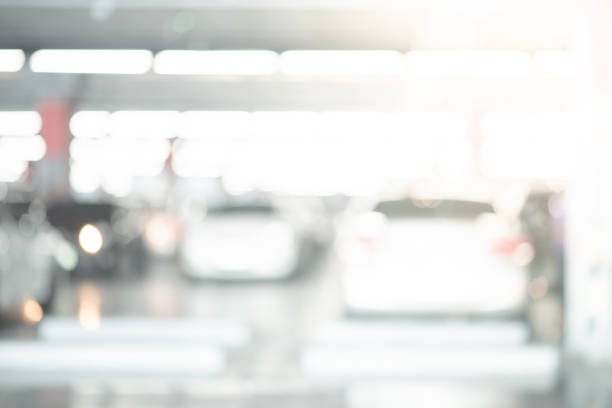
(342, 62)
(89, 124)
(91, 61)
(143, 124)
(11, 60)
(22, 148)
(476, 64)
(13, 123)
(188, 62)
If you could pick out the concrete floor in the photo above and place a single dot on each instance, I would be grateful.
(266, 371)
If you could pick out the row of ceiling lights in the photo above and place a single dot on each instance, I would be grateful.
(168, 124)
(493, 64)
(103, 138)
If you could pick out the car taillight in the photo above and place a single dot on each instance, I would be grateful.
(370, 242)
(369, 229)
(517, 249)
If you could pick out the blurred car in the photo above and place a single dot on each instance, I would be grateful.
(241, 242)
(433, 257)
(32, 255)
(108, 237)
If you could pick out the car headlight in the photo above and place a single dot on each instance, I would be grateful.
(90, 239)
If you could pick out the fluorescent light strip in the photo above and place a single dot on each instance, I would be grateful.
(198, 124)
(16, 123)
(119, 151)
(474, 64)
(22, 148)
(146, 124)
(224, 62)
(330, 62)
(11, 60)
(526, 362)
(60, 358)
(89, 124)
(92, 61)
(478, 63)
(11, 170)
(197, 158)
(130, 329)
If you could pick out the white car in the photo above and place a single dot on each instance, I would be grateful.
(240, 243)
(432, 257)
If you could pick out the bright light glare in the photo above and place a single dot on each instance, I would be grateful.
(32, 312)
(196, 158)
(11, 60)
(213, 123)
(84, 177)
(476, 64)
(89, 318)
(90, 239)
(89, 124)
(553, 63)
(12, 170)
(112, 163)
(92, 61)
(116, 150)
(89, 303)
(249, 149)
(143, 124)
(17, 123)
(342, 62)
(161, 234)
(186, 62)
(22, 148)
(520, 145)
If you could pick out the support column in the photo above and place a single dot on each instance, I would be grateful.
(51, 174)
(589, 195)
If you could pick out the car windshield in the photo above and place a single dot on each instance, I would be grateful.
(407, 208)
(242, 209)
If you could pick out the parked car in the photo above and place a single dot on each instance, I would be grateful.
(433, 257)
(32, 256)
(242, 242)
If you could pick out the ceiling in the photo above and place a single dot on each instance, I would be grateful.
(281, 25)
